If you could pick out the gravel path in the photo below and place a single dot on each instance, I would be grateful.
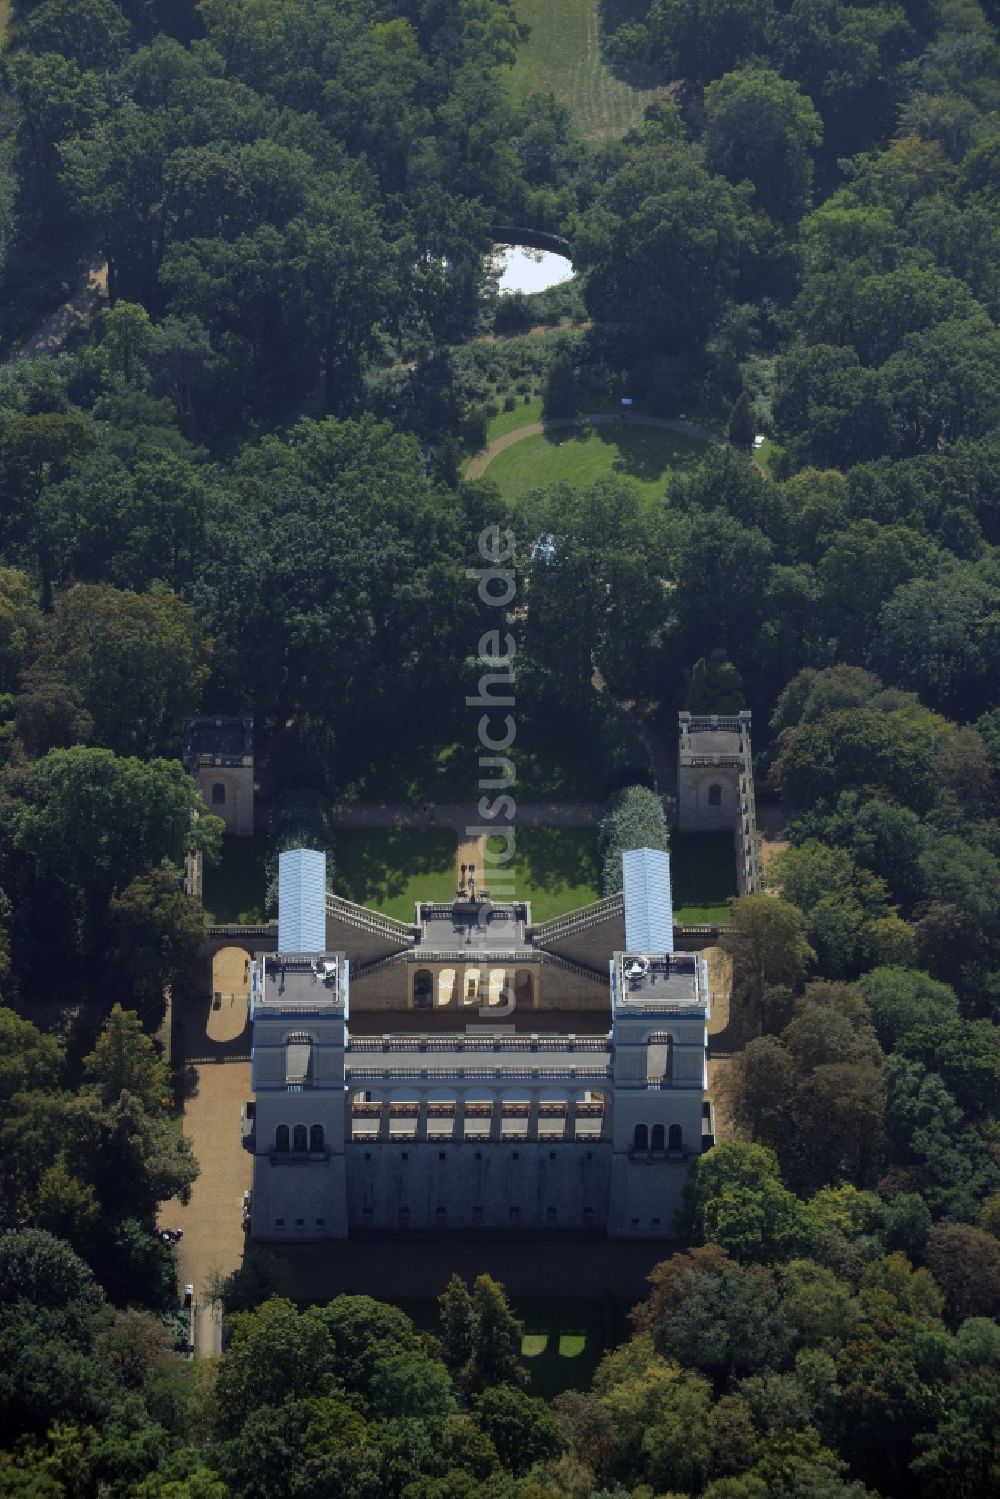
(91, 288)
(461, 817)
(481, 462)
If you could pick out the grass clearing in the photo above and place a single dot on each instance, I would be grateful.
(556, 869)
(703, 875)
(646, 456)
(562, 56)
(392, 868)
(524, 413)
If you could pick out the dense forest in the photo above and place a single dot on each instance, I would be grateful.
(241, 488)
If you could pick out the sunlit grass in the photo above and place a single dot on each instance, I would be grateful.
(555, 869)
(645, 456)
(562, 56)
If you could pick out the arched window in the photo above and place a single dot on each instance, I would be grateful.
(656, 1140)
(299, 1137)
(316, 1141)
(675, 1138)
(715, 795)
(218, 794)
(640, 1140)
(423, 989)
(281, 1137)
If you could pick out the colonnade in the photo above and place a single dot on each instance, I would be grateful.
(479, 1114)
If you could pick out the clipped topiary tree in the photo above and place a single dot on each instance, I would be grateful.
(301, 819)
(634, 819)
(560, 394)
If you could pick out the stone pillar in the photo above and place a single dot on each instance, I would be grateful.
(422, 1117)
(385, 1121)
(458, 1128)
(533, 1118)
(496, 1117)
(569, 1131)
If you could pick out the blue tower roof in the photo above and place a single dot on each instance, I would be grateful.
(649, 910)
(301, 901)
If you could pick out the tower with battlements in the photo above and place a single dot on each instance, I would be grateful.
(715, 791)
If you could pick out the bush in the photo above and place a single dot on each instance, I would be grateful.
(474, 428)
(510, 403)
(634, 819)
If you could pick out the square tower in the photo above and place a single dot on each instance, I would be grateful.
(218, 753)
(660, 1007)
(298, 1011)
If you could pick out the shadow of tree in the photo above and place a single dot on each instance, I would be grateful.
(703, 868)
(650, 453)
(376, 864)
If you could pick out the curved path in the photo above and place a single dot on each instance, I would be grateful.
(481, 462)
(90, 290)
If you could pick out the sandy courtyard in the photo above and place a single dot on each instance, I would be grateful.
(215, 1089)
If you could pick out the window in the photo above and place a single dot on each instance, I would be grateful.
(550, 1215)
(656, 1139)
(640, 1140)
(515, 1155)
(316, 1140)
(279, 1223)
(655, 1222)
(368, 1155)
(590, 1155)
(514, 1214)
(218, 794)
(440, 1155)
(423, 989)
(552, 1155)
(299, 1137)
(479, 1155)
(298, 1058)
(300, 1223)
(715, 795)
(588, 1215)
(440, 1214)
(675, 1138)
(404, 1217)
(281, 1137)
(405, 1154)
(321, 1223)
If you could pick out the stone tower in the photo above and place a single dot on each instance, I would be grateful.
(659, 1015)
(218, 752)
(298, 1008)
(715, 791)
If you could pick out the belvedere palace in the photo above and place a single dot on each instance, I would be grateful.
(475, 1070)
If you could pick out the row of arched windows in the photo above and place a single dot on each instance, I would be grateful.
(299, 1138)
(658, 1138)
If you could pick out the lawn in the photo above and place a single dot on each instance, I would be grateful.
(392, 868)
(5, 8)
(555, 868)
(562, 55)
(235, 887)
(646, 456)
(703, 876)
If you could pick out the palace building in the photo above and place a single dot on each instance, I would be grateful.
(475, 1071)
